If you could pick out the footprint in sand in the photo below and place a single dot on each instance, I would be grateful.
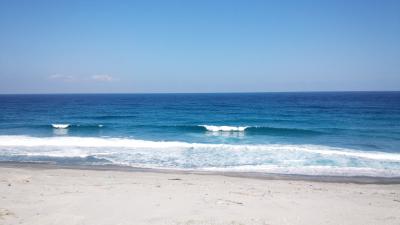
(4, 213)
(228, 202)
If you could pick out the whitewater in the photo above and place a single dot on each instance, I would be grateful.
(277, 158)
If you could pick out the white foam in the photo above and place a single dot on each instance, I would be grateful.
(60, 154)
(60, 126)
(104, 142)
(223, 128)
(94, 142)
(278, 158)
(311, 170)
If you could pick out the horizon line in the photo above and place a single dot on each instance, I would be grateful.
(237, 92)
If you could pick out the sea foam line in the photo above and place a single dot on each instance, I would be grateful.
(127, 143)
(309, 170)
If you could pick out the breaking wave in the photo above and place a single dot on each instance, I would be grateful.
(223, 128)
(277, 158)
(260, 130)
(60, 126)
(66, 126)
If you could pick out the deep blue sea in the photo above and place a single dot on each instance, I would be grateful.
(337, 133)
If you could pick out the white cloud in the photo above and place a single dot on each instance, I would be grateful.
(102, 77)
(62, 77)
(70, 78)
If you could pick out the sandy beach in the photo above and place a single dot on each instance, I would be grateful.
(50, 195)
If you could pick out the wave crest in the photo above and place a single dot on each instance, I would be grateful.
(200, 156)
(260, 130)
(65, 126)
(60, 126)
(223, 128)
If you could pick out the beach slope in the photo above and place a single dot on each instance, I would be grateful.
(41, 196)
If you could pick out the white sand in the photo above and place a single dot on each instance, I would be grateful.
(65, 196)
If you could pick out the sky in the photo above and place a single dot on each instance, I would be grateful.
(199, 46)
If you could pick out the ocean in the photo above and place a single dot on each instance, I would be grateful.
(314, 133)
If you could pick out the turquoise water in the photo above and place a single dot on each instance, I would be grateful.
(343, 133)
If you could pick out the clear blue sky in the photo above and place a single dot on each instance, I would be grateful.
(199, 46)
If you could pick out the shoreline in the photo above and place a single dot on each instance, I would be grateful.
(48, 194)
(245, 175)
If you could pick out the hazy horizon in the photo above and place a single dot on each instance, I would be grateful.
(71, 47)
(167, 93)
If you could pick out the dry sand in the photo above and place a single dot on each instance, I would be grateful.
(41, 196)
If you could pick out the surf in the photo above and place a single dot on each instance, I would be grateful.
(60, 126)
(213, 128)
(66, 126)
(302, 159)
